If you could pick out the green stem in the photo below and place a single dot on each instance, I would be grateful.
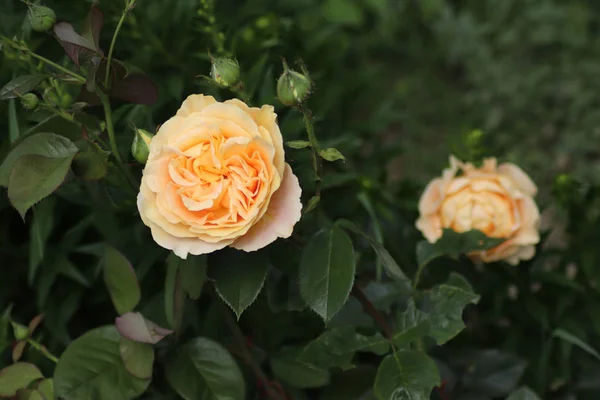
(417, 278)
(113, 42)
(79, 78)
(113, 140)
(42, 349)
(314, 144)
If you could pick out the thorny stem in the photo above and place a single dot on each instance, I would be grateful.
(245, 353)
(128, 7)
(314, 144)
(370, 309)
(42, 349)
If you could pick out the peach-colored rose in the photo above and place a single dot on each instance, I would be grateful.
(215, 177)
(495, 199)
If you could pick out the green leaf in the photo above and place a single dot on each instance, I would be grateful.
(91, 163)
(13, 122)
(238, 277)
(312, 203)
(17, 376)
(174, 293)
(493, 373)
(134, 326)
(203, 369)
(20, 85)
(41, 226)
(327, 271)
(448, 301)
(390, 265)
(336, 348)
(331, 154)
(138, 358)
(193, 275)
(406, 375)
(570, 338)
(33, 177)
(523, 393)
(353, 384)
(298, 144)
(5, 340)
(91, 368)
(29, 394)
(120, 280)
(427, 252)
(412, 325)
(453, 243)
(43, 144)
(46, 388)
(287, 368)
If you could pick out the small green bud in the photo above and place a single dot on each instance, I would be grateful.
(20, 331)
(29, 101)
(42, 18)
(474, 138)
(140, 148)
(292, 87)
(225, 71)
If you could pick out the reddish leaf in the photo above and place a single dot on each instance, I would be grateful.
(134, 326)
(92, 27)
(135, 88)
(18, 350)
(33, 324)
(73, 43)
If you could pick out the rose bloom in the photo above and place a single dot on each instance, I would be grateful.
(495, 199)
(216, 177)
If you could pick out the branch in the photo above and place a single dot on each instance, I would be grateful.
(370, 309)
(244, 352)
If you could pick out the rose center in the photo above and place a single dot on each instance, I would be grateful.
(489, 212)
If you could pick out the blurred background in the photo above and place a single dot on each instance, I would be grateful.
(400, 85)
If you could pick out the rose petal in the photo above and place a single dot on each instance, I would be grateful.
(285, 210)
(519, 177)
(195, 103)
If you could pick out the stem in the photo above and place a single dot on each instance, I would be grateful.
(314, 144)
(113, 141)
(370, 309)
(42, 349)
(244, 352)
(113, 42)
(418, 276)
(79, 78)
(109, 126)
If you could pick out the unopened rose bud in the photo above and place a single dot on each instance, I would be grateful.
(42, 18)
(140, 148)
(292, 87)
(29, 101)
(225, 71)
(20, 331)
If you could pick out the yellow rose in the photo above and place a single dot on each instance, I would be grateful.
(215, 177)
(495, 199)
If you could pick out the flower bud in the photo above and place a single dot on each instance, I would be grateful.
(42, 18)
(225, 71)
(292, 87)
(20, 331)
(29, 101)
(140, 146)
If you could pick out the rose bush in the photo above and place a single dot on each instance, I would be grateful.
(494, 199)
(149, 266)
(216, 177)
